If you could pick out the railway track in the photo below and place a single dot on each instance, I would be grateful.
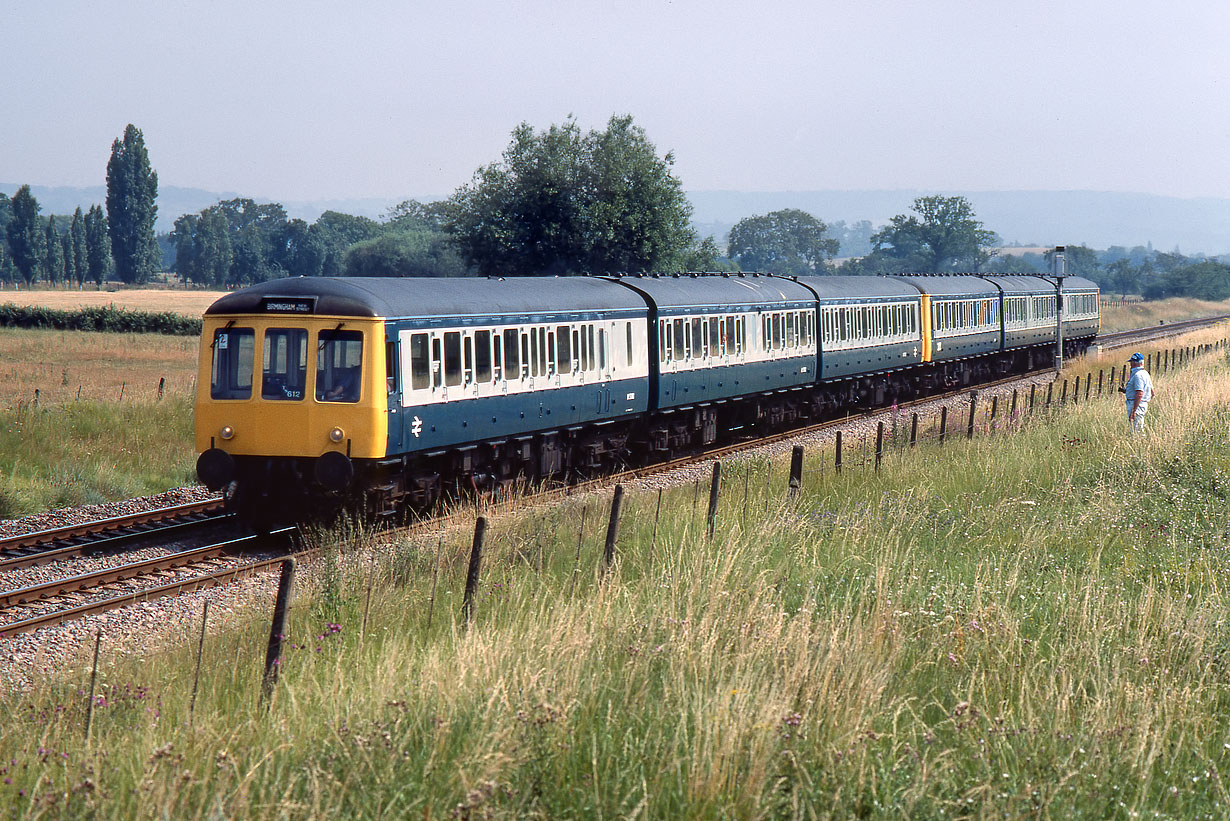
(1122, 339)
(26, 609)
(103, 535)
(29, 608)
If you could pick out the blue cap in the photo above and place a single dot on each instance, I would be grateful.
(1136, 357)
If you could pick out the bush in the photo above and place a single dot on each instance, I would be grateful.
(109, 318)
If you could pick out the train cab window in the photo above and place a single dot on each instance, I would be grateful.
(234, 352)
(452, 358)
(512, 350)
(482, 356)
(285, 364)
(339, 366)
(420, 363)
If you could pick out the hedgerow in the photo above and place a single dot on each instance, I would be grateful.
(107, 318)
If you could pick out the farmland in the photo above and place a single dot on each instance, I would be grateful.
(1024, 625)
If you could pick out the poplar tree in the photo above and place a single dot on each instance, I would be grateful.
(97, 244)
(25, 233)
(132, 189)
(53, 253)
(76, 232)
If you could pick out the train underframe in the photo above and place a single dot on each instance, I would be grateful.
(269, 490)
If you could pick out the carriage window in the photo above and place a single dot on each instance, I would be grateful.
(452, 358)
(535, 363)
(563, 349)
(285, 365)
(512, 362)
(678, 334)
(482, 356)
(234, 356)
(525, 353)
(550, 366)
(339, 366)
(468, 346)
(628, 327)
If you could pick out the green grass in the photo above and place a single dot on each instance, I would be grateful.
(84, 452)
(1020, 625)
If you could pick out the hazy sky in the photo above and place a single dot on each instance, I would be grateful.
(311, 100)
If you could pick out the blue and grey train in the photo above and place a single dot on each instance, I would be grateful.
(319, 392)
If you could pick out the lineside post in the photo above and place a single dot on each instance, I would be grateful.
(476, 558)
(277, 631)
(796, 470)
(715, 490)
(612, 529)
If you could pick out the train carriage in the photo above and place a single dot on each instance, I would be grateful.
(962, 316)
(867, 325)
(398, 382)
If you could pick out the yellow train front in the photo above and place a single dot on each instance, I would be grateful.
(291, 401)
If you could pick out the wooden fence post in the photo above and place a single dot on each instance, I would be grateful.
(89, 705)
(973, 406)
(837, 460)
(796, 471)
(715, 490)
(913, 429)
(476, 558)
(943, 423)
(277, 631)
(879, 443)
(612, 529)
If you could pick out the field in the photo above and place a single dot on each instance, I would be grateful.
(1127, 316)
(1019, 625)
(99, 431)
(190, 303)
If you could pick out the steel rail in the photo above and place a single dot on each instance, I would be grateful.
(52, 554)
(92, 581)
(40, 538)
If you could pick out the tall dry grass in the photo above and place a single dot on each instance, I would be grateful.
(1024, 625)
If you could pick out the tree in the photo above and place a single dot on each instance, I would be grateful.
(132, 189)
(97, 244)
(298, 251)
(1124, 277)
(53, 253)
(560, 201)
(26, 234)
(790, 242)
(942, 237)
(405, 254)
(70, 262)
(76, 232)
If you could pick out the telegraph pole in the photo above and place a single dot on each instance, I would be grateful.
(1058, 270)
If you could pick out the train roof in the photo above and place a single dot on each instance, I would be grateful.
(704, 290)
(950, 284)
(1073, 283)
(845, 287)
(1022, 284)
(427, 296)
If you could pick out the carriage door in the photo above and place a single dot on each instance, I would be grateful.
(393, 386)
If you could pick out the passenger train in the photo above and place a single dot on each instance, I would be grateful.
(318, 393)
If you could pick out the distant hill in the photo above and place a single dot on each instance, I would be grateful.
(1044, 218)
(174, 202)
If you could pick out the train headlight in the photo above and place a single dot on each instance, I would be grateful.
(337, 435)
(228, 432)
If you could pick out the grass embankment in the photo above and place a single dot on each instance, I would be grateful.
(87, 452)
(1128, 316)
(1018, 625)
(98, 432)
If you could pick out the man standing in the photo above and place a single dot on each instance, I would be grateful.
(1139, 390)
